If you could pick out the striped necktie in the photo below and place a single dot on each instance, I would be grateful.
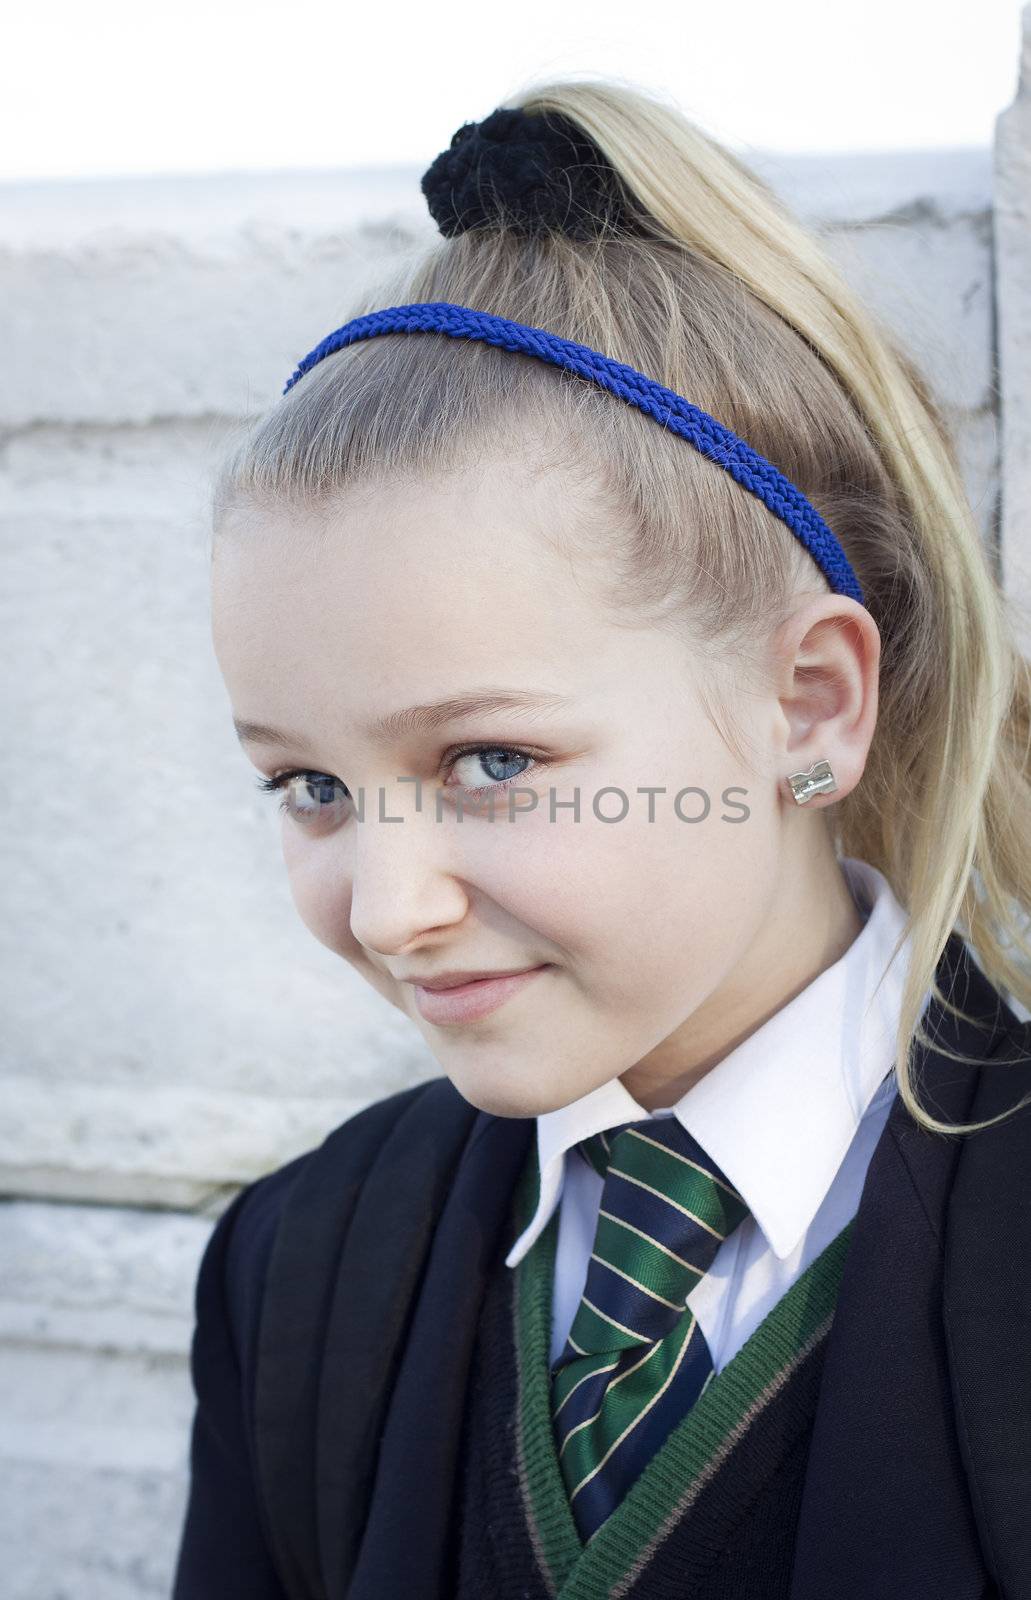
(636, 1359)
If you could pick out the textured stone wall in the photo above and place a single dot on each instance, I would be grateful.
(171, 1029)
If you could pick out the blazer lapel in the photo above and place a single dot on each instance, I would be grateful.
(987, 1310)
(375, 1278)
(886, 1510)
(298, 1382)
(404, 1549)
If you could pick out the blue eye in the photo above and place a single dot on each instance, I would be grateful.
(309, 796)
(496, 756)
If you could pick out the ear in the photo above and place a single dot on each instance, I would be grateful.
(827, 664)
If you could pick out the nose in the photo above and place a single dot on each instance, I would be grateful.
(403, 875)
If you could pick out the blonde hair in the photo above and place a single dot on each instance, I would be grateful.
(725, 297)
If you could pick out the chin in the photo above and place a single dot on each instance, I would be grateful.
(512, 1099)
(497, 1103)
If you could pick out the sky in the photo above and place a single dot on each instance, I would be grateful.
(129, 87)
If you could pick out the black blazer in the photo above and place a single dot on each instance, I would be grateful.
(919, 1476)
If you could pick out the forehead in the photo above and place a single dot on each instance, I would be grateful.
(411, 589)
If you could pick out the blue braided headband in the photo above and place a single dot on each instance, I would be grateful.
(751, 470)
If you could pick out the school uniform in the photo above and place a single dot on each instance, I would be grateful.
(376, 1323)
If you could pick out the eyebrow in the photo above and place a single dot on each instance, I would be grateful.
(422, 718)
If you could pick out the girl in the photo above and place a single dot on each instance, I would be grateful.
(602, 604)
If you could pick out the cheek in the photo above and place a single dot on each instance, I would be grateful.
(662, 909)
(321, 893)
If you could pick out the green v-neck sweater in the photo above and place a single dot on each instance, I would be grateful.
(713, 1516)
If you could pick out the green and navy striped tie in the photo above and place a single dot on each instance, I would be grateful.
(636, 1359)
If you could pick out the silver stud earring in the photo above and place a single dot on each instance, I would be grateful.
(818, 780)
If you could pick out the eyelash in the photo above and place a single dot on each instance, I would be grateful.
(281, 779)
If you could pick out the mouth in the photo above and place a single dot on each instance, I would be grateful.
(468, 1002)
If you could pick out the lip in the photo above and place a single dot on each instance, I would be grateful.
(460, 976)
(468, 1002)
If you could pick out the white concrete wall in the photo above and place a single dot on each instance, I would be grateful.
(171, 1030)
(1012, 229)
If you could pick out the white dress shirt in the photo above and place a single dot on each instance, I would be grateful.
(791, 1116)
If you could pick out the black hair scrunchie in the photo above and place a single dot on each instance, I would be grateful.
(528, 171)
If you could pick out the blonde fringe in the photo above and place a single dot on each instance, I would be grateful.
(724, 296)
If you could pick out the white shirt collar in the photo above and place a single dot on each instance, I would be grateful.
(827, 1051)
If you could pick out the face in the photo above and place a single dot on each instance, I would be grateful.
(653, 931)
